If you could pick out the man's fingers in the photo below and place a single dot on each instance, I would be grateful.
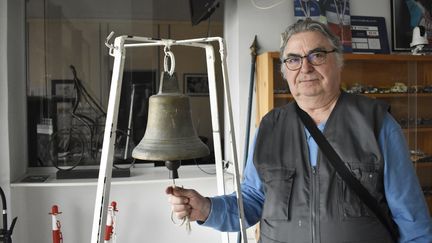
(169, 190)
(177, 191)
(181, 208)
(182, 214)
(178, 200)
(188, 202)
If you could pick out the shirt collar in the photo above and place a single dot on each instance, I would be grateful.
(320, 127)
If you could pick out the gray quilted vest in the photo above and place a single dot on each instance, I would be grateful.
(305, 204)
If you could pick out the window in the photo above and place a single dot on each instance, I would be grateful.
(69, 72)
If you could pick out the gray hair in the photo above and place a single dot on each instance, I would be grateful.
(311, 25)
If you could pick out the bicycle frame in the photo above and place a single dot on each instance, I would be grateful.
(91, 124)
(90, 141)
(118, 51)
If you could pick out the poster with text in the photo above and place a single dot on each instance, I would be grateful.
(334, 13)
(338, 17)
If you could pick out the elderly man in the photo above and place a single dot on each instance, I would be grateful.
(290, 186)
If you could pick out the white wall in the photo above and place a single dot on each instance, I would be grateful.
(143, 216)
(16, 76)
(243, 21)
(4, 141)
(12, 95)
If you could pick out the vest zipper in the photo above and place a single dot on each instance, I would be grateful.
(314, 204)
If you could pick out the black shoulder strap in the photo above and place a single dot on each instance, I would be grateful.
(346, 174)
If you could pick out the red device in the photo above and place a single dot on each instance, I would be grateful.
(56, 226)
(109, 227)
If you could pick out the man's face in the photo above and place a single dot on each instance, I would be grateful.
(312, 81)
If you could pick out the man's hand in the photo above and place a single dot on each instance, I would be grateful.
(188, 202)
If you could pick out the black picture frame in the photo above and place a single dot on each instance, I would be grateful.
(63, 90)
(404, 20)
(369, 35)
(143, 83)
(196, 84)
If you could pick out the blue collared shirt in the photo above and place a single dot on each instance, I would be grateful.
(402, 189)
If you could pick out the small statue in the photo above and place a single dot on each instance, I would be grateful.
(419, 40)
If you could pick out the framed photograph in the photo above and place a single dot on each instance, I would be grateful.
(196, 84)
(63, 90)
(406, 15)
(137, 87)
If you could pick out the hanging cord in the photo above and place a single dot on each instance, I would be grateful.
(306, 8)
(340, 13)
(201, 169)
(128, 167)
(266, 7)
(184, 221)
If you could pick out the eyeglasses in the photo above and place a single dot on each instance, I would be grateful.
(315, 58)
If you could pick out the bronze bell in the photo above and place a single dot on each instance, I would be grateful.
(170, 134)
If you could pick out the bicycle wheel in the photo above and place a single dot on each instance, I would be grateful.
(67, 149)
(123, 147)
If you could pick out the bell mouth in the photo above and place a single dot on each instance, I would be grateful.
(173, 149)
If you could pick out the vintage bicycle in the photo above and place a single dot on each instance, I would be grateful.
(82, 139)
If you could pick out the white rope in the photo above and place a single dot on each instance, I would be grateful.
(184, 221)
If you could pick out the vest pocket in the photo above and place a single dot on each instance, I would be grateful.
(278, 187)
(351, 205)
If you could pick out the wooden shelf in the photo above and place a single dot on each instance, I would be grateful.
(423, 164)
(376, 95)
(378, 70)
(399, 95)
(429, 201)
(372, 57)
(385, 57)
(282, 96)
(418, 129)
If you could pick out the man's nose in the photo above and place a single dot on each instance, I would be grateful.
(306, 66)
